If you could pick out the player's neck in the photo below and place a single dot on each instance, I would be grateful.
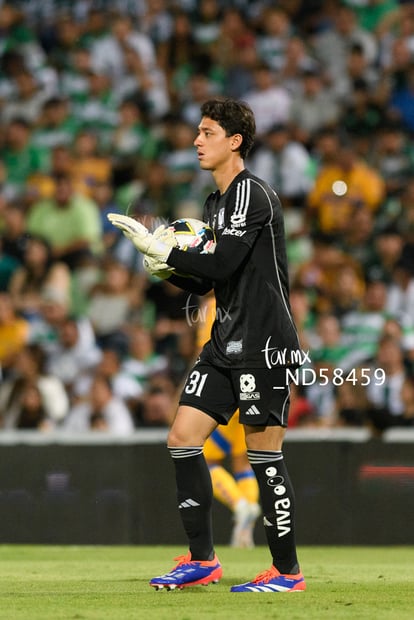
(224, 175)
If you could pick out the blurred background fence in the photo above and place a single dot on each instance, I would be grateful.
(350, 488)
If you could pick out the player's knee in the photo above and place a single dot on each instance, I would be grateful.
(181, 438)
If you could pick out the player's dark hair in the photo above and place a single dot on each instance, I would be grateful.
(235, 117)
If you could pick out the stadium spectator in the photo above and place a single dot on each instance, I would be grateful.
(101, 412)
(207, 19)
(318, 274)
(388, 246)
(142, 362)
(108, 52)
(102, 193)
(19, 37)
(358, 240)
(55, 125)
(313, 108)
(361, 117)
(393, 158)
(285, 164)
(362, 327)
(64, 41)
(90, 166)
(155, 409)
(42, 185)
(74, 79)
(331, 44)
(73, 352)
(341, 188)
(239, 75)
(358, 71)
(351, 406)
(172, 310)
(28, 100)
(54, 310)
(14, 333)
(133, 143)
(400, 298)
(70, 223)
(38, 275)
(157, 22)
(402, 99)
(8, 265)
(112, 303)
(181, 162)
(123, 385)
(20, 157)
(235, 33)
(32, 397)
(274, 35)
(270, 101)
(14, 230)
(144, 83)
(296, 62)
(97, 110)
(199, 88)
(384, 397)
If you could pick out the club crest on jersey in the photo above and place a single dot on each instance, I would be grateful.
(234, 347)
(247, 387)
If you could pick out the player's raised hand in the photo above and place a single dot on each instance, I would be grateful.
(157, 245)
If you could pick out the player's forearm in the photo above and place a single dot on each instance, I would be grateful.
(216, 267)
(192, 285)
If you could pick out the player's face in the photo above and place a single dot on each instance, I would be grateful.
(214, 147)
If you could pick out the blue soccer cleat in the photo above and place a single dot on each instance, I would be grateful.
(189, 572)
(272, 581)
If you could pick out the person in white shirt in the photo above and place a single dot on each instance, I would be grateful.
(285, 164)
(269, 101)
(102, 411)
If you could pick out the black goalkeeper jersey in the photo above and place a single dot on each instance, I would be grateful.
(254, 325)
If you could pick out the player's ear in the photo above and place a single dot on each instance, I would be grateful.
(236, 141)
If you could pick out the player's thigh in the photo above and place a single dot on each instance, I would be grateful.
(191, 427)
(234, 433)
(210, 390)
(226, 441)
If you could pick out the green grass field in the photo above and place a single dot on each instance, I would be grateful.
(111, 583)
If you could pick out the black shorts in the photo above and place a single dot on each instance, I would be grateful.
(262, 395)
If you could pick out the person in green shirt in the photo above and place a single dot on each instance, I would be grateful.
(20, 156)
(70, 222)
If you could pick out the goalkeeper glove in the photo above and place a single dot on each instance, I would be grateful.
(156, 268)
(157, 245)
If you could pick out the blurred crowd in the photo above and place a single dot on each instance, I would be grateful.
(99, 104)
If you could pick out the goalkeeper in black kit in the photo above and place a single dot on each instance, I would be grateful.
(244, 364)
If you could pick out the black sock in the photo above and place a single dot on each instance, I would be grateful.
(278, 505)
(195, 498)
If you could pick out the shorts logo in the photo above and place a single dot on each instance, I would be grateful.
(253, 410)
(247, 387)
(250, 396)
(247, 383)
